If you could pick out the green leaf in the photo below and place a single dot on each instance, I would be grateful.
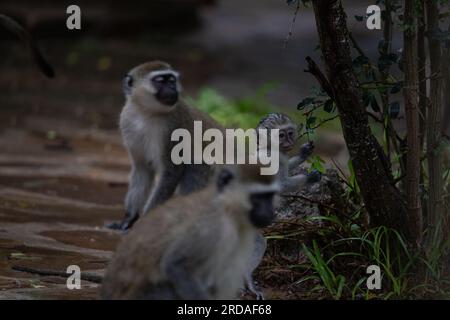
(305, 102)
(366, 98)
(394, 109)
(374, 103)
(329, 106)
(386, 60)
(360, 61)
(316, 163)
(397, 87)
(310, 121)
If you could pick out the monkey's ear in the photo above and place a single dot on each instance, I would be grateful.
(127, 84)
(224, 178)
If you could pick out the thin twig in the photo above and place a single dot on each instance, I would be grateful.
(344, 177)
(292, 25)
(318, 125)
(321, 78)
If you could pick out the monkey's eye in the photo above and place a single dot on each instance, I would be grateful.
(159, 79)
(281, 135)
(291, 133)
(224, 178)
(172, 79)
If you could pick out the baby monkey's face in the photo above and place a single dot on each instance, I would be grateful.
(287, 139)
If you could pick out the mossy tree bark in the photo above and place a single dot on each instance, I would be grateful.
(384, 203)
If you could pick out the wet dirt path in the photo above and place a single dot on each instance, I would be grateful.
(55, 198)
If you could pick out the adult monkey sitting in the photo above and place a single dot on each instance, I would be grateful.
(153, 110)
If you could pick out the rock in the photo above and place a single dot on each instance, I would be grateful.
(310, 200)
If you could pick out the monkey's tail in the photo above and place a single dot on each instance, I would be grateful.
(45, 272)
(36, 53)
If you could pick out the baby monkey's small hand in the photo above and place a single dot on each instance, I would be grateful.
(306, 150)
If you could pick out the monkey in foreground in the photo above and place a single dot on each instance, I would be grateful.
(195, 246)
(287, 138)
(153, 109)
(36, 53)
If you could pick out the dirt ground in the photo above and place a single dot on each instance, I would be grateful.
(54, 202)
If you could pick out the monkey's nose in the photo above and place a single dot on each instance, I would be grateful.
(168, 99)
(262, 216)
(287, 146)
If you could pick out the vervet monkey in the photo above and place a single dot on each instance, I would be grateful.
(153, 109)
(195, 246)
(287, 138)
(36, 53)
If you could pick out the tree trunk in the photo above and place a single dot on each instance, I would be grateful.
(383, 201)
(423, 99)
(411, 95)
(435, 202)
(445, 124)
(444, 131)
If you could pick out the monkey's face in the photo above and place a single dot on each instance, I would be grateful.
(252, 195)
(165, 84)
(287, 139)
(286, 127)
(262, 211)
(157, 90)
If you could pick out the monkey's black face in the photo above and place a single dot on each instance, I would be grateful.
(262, 212)
(287, 139)
(166, 88)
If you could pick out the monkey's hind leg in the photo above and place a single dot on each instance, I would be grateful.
(257, 256)
(250, 286)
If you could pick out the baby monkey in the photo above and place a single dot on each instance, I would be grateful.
(287, 139)
(195, 246)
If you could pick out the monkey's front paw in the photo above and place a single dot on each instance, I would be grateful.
(259, 295)
(314, 176)
(256, 292)
(125, 224)
(306, 150)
